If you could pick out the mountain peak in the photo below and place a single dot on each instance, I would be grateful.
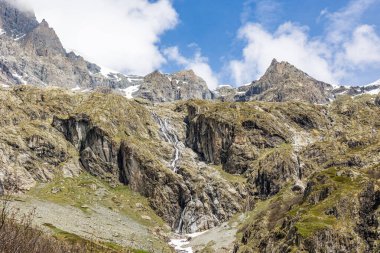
(44, 41)
(280, 68)
(283, 82)
(189, 72)
(274, 62)
(44, 23)
(188, 76)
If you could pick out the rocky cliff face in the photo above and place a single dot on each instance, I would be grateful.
(30, 149)
(121, 144)
(304, 170)
(338, 212)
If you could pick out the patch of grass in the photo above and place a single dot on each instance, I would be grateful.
(63, 235)
(310, 224)
(234, 178)
(97, 247)
(312, 217)
(209, 248)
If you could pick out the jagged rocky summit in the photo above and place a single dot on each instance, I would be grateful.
(32, 53)
(284, 82)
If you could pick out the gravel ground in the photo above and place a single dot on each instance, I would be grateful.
(99, 224)
(221, 239)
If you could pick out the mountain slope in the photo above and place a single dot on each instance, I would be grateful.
(198, 163)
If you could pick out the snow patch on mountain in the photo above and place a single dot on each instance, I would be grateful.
(130, 90)
(373, 92)
(225, 86)
(77, 88)
(106, 72)
(19, 78)
(373, 84)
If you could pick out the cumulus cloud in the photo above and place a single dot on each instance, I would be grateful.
(289, 43)
(121, 35)
(364, 48)
(342, 22)
(198, 63)
(347, 46)
(267, 11)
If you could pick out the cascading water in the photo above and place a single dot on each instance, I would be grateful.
(180, 224)
(171, 137)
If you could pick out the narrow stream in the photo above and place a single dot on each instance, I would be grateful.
(180, 244)
(171, 137)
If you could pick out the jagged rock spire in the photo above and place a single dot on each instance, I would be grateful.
(44, 41)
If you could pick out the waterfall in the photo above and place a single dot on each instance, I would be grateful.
(180, 224)
(171, 137)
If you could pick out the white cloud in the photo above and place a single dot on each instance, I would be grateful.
(118, 34)
(267, 11)
(346, 48)
(342, 22)
(364, 48)
(289, 43)
(199, 64)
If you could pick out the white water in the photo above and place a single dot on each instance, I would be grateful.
(180, 223)
(171, 137)
(77, 88)
(130, 90)
(182, 245)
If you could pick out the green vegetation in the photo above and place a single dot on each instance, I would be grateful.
(240, 179)
(312, 217)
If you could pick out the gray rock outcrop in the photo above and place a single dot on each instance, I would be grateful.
(14, 22)
(183, 85)
(43, 41)
(32, 53)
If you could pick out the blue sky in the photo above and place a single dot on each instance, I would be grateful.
(212, 27)
(223, 41)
